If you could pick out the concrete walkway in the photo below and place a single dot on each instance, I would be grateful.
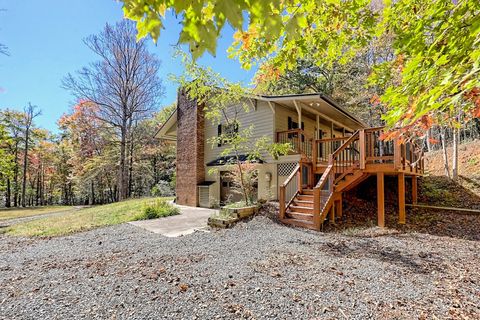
(188, 221)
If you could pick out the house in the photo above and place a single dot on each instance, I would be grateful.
(332, 152)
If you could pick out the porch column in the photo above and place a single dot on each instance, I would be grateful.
(331, 129)
(401, 198)
(318, 128)
(299, 112)
(380, 200)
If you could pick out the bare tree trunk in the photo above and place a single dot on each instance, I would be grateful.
(445, 154)
(429, 136)
(30, 115)
(7, 196)
(15, 177)
(455, 155)
(25, 166)
(37, 191)
(122, 174)
(92, 193)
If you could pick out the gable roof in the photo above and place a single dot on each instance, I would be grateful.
(315, 101)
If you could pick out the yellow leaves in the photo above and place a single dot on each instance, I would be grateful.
(245, 38)
(267, 73)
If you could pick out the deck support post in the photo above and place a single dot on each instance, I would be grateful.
(381, 199)
(414, 189)
(332, 213)
(401, 198)
(339, 207)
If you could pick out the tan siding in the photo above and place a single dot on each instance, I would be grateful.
(261, 119)
(281, 123)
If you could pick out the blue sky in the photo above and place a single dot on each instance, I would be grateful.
(45, 43)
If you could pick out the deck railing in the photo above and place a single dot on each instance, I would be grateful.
(365, 149)
(289, 189)
(404, 155)
(325, 147)
(340, 162)
(300, 142)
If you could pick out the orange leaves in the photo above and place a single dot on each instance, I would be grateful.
(426, 122)
(476, 112)
(474, 97)
(245, 38)
(375, 100)
(390, 135)
(400, 62)
(267, 73)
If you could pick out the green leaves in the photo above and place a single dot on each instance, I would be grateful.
(436, 42)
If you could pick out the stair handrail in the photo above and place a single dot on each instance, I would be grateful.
(328, 175)
(283, 205)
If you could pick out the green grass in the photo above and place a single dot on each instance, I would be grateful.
(13, 213)
(82, 220)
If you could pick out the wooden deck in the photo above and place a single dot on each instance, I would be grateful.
(342, 164)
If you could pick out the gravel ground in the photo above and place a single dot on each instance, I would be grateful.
(258, 269)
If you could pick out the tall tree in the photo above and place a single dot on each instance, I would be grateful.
(30, 113)
(6, 163)
(436, 42)
(12, 120)
(124, 84)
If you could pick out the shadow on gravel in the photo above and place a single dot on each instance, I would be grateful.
(422, 263)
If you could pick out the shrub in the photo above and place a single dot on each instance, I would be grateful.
(157, 209)
(239, 204)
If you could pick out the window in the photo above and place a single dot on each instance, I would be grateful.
(226, 132)
(294, 125)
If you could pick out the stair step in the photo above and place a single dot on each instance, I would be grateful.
(300, 223)
(301, 209)
(307, 192)
(305, 197)
(300, 215)
(303, 203)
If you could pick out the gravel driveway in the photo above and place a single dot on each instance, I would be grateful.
(259, 270)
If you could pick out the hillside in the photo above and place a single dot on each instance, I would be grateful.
(469, 165)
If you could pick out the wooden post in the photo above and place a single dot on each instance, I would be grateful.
(340, 207)
(331, 129)
(281, 200)
(332, 213)
(318, 127)
(362, 149)
(396, 154)
(401, 198)
(314, 155)
(316, 208)
(380, 200)
(414, 190)
(300, 178)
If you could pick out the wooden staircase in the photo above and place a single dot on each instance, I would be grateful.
(300, 211)
(308, 206)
